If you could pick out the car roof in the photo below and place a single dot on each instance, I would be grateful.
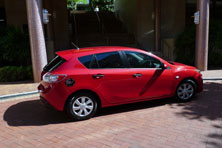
(94, 49)
(67, 54)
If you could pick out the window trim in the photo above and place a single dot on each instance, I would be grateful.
(93, 60)
(122, 54)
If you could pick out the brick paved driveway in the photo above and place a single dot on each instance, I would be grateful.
(162, 123)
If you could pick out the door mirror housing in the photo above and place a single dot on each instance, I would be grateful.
(164, 66)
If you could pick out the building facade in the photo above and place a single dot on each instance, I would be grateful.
(154, 23)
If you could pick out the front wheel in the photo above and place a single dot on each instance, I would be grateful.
(186, 90)
(82, 106)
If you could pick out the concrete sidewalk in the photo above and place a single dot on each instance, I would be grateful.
(16, 88)
(212, 74)
(8, 89)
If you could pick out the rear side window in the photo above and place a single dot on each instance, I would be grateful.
(86, 60)
(54, 64)
(109, 60)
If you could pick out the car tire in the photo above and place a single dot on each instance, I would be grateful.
(186, 90)
(82, 106)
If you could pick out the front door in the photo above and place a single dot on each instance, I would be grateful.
(153, 81)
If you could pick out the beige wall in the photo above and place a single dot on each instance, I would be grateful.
(60, 21)
(173, 14)
(2, 3)
(138, 16)
(145, 24)
(16, 12)
(126, 11)
(57, 29)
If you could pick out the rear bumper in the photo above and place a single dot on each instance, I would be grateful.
(53, 95)
(45, 103)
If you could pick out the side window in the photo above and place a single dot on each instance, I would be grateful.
(86, 60)
(140, 60)
(109, 60)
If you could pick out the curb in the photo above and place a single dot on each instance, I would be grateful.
(18, 95)
(210, 78)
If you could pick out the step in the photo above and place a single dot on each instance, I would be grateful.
(92, 39)
(121, 37)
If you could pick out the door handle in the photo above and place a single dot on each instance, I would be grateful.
(137, 75)
(98, 76)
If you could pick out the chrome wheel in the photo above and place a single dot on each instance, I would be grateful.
(82, 106)
(185, 91)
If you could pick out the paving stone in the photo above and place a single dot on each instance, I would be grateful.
(153, 124)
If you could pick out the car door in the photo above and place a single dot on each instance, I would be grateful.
(152, 80)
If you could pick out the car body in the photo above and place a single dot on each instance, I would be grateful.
(114, 76)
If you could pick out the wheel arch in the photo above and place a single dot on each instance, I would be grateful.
(189, 78)
(97, 97)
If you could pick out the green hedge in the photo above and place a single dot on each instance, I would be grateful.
(15, 73)
(15, 55)
(14, 47)
(185, 45)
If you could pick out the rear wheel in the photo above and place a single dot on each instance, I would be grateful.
(186, 90)
(82, 106)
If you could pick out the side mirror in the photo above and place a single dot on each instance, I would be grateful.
(164, 66)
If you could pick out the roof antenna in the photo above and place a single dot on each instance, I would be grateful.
(75, 45)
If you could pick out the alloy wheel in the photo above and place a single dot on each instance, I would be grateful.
(83, 106)
(185, 91)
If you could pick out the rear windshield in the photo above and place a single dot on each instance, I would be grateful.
(54, 64)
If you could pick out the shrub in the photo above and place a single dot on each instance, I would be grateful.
(15, 73)
(14, 47)
(185, 45)
(15, 55)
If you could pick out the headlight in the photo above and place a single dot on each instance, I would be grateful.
(197, 70)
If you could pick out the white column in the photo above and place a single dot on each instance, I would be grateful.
(202, 35)
(157, 14)
(36, 35)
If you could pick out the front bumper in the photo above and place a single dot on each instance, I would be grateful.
(200, 84)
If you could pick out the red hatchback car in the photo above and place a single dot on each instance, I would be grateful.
(81, 81)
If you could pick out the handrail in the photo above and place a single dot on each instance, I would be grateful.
(75, 27)
(98, 18)
(101, 25)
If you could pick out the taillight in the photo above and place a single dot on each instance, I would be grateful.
(51, 78)
(42, 74)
